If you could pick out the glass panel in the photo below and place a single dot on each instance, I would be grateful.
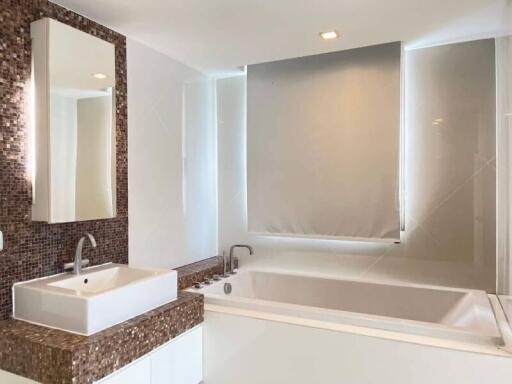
(450, 158)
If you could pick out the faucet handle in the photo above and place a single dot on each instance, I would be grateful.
(70, 266)
(224, 265)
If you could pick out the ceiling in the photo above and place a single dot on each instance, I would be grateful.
(217, 36)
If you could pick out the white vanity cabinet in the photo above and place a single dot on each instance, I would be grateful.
(180, 361)
(139, 372)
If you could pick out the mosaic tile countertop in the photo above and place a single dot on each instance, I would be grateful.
(192, 273)
(51, 356)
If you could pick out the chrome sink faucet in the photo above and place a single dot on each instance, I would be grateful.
(78, 263)
(231, 256)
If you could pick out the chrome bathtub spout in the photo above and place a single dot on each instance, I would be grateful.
(233, 270)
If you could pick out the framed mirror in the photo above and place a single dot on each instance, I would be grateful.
(74, 133)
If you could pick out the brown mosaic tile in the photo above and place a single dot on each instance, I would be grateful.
(37, 249)
(51, 356)
(192, 273)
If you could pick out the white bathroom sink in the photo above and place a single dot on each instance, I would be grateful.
(98, 298)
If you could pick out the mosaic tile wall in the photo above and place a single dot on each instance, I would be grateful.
(36, 249)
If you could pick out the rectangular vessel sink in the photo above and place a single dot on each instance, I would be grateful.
(98, 298)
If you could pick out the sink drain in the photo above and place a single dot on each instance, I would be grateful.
(227, 288)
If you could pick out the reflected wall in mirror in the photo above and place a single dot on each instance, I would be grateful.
(73, 74)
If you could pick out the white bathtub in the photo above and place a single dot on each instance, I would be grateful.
(438, 312)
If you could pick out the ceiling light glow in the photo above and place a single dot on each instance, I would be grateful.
(329, 35)
(100, 76)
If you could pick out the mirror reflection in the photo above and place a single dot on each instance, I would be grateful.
(81, 140)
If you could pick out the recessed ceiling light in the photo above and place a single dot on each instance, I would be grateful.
(99, 76)
(329, 35)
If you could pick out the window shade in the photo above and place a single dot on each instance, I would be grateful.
(323, 138)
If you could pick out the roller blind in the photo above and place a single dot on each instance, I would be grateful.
(323, 137)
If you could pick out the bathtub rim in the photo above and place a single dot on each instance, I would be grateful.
(386, 323)
(354, 279)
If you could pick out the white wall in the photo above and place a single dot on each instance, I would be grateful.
(171, 148)
(200, 171)
(449, 237)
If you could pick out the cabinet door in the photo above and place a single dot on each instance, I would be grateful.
(180, 361)
(136, 373)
